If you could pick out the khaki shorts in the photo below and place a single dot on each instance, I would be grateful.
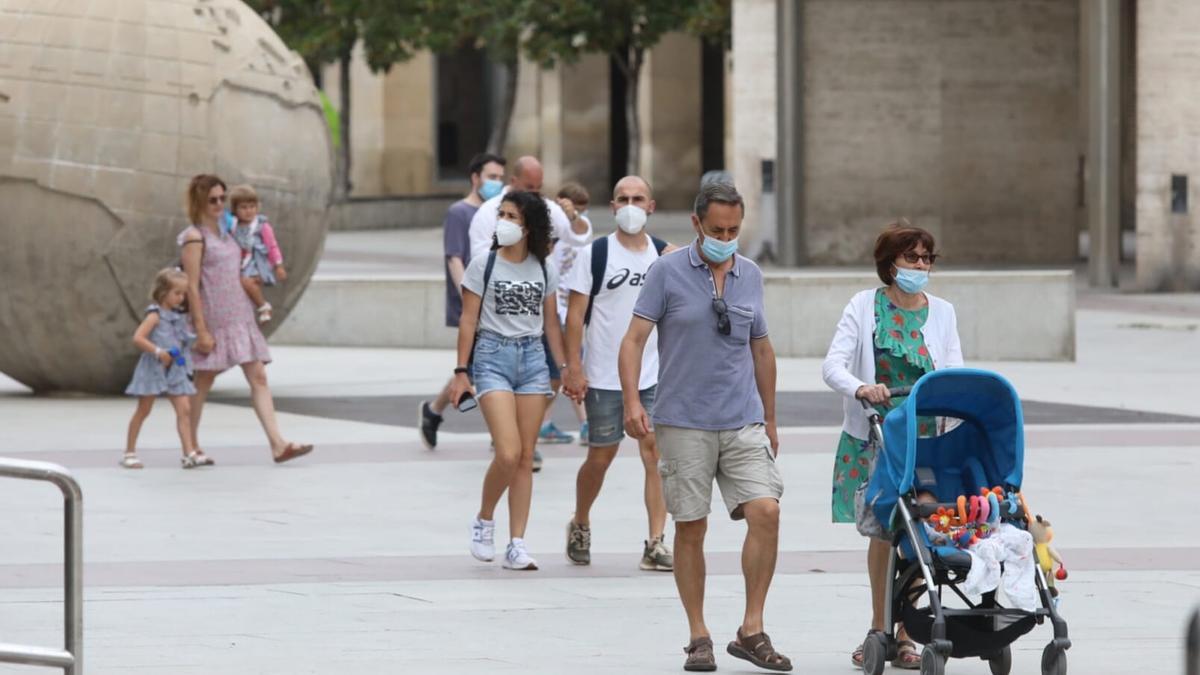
(740, 459)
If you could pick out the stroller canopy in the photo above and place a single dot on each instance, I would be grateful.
(990, 437)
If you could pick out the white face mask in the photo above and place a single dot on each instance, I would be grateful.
(508, 232)
(631, 219)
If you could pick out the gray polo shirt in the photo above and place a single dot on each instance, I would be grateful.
(705, 379)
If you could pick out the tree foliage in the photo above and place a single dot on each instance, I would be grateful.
(548, 32)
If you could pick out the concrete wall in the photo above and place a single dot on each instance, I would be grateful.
(752, 92)
(561, 116)
(961, 116)
(1168, 142)
(391, 125)
(408, 106)
(585, 126)
(382, 213)
(669, 108)
(803, 309)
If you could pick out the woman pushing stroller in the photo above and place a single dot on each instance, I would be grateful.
(887, 337)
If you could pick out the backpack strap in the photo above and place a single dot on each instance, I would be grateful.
(599, 262)
(659, 245)
(487, 279)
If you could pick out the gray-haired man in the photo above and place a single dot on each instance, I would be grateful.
(715, 413)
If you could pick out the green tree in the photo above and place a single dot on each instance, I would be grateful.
(561, 31)
(322, 32)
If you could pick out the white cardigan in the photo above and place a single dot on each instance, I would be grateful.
(850, 362)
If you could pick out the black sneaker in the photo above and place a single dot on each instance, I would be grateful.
(429, 422)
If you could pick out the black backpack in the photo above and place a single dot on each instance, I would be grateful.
(600, 261)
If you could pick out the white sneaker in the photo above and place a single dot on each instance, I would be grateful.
(483, 541)
(517, 558)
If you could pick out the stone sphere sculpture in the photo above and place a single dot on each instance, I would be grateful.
(106, 111)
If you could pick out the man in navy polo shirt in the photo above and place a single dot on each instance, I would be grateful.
(714, 416)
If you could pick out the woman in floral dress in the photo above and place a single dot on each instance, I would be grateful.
(887, 337)
(227, 334)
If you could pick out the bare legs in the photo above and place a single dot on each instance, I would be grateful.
(690, 572)
(758, 565)
(758, 559)
(878, 553)
(440, 403)
(591, 478)
(514, 422)
(183, 423)
(260, 396)
(144, 405)
(253, 288)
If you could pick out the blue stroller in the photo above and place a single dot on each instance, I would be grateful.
(985, 449)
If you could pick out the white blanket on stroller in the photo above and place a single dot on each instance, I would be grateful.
(1013, 547)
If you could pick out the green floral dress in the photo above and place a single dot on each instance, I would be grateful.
(900, 360)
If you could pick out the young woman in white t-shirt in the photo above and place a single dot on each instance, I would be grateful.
(505, 314)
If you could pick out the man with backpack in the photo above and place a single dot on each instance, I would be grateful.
(604, 284)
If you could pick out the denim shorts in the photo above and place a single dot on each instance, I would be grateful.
(510, 364)
(606, 414)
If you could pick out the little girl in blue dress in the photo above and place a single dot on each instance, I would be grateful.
(164, 367)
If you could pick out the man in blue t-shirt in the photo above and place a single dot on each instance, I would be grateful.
(487, 180)
(714, 413)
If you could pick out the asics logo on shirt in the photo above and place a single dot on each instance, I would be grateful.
(624, 275)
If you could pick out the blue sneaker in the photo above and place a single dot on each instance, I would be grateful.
(553, 435)
(583, 434)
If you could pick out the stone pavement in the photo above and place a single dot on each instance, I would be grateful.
(354, 560)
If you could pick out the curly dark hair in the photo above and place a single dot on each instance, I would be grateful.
(537, 222)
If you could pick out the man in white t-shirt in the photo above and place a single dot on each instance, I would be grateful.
(607, 308)
(527, 176)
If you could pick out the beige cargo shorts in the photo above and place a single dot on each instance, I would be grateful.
(740, 459)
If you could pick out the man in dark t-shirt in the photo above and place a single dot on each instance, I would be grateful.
(487, 180)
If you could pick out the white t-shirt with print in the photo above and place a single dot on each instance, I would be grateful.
(612, 310)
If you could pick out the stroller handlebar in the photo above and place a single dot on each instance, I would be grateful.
(898, 392)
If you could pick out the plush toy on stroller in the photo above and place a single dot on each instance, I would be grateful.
(916, 478)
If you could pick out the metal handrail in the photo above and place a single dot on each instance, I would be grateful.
(70, 658)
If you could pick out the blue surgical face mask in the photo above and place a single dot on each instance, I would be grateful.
(911, 281)
(490, 188)
(718, 251)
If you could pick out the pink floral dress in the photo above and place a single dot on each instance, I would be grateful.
(228, 311)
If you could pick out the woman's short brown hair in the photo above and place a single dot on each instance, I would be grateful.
(575, 192)
(242, 194)
(197, 194)
(896, 239)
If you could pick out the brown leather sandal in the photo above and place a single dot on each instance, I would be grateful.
(292, 451)
(700, 656)
(757, 649)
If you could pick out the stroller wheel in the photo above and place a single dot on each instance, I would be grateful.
(1054, 660)
(1002, 663)
(874, 653)
(932, 663)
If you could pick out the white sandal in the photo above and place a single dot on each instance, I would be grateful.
(130, 461)
(190, 461)
(264, 312)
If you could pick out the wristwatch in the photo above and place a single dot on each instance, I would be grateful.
(462, 370)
